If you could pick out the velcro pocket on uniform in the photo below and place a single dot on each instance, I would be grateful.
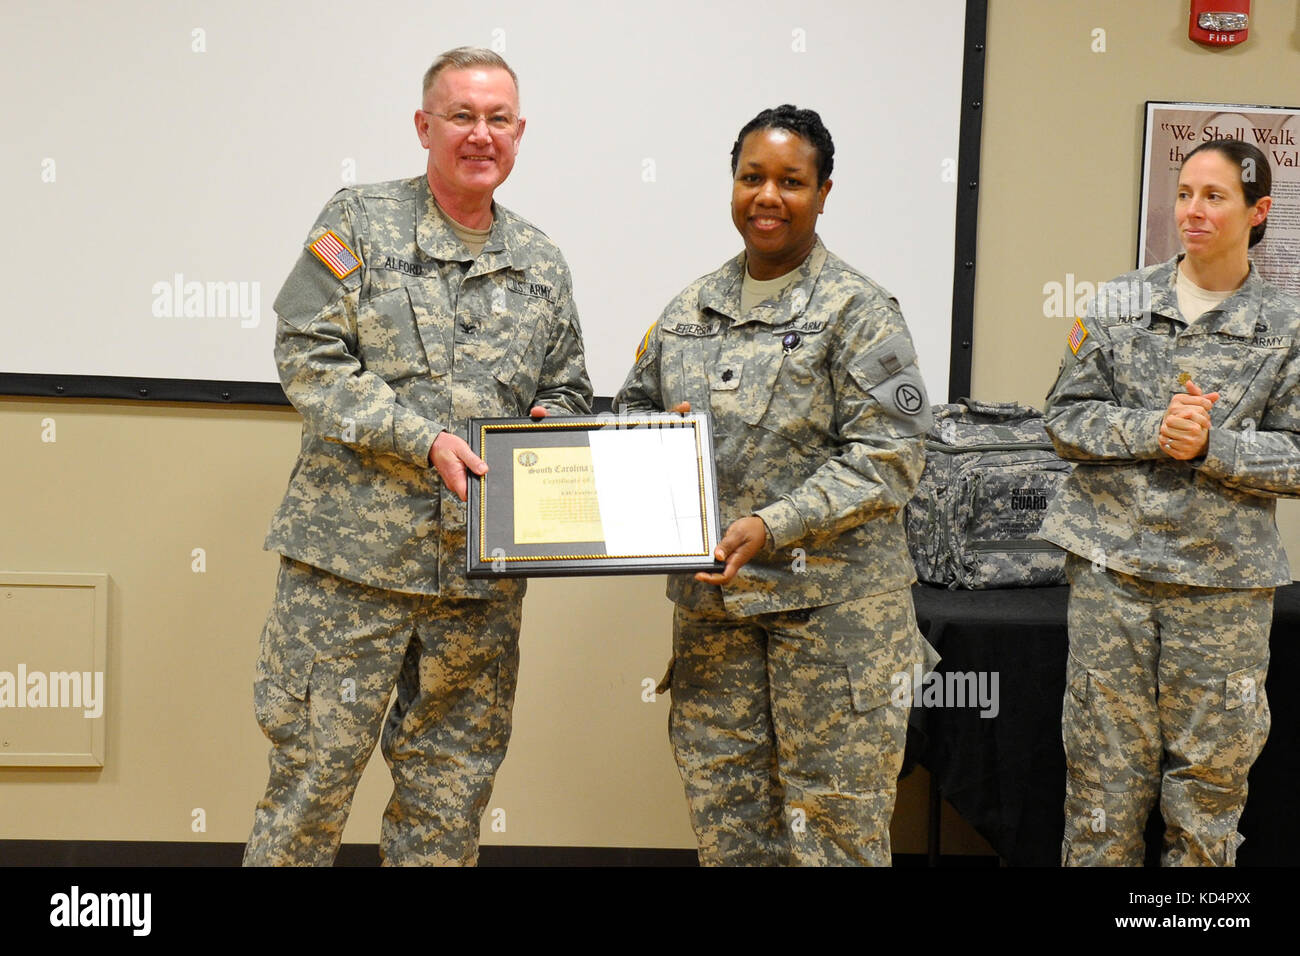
(1230, 845)
(1241, 688)
(666, 684)
(760, 389)
(285, 660)
(682, 372)
(507, 369)
(1083, 741)
(1077, 675)
(883, 362)
(888, 373)
(870, 684)
(388, 341)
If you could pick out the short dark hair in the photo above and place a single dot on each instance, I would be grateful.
(803, 123)
(1245, 156)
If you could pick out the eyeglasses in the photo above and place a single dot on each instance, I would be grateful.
(464, 120)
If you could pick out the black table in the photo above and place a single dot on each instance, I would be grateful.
(1006, 774)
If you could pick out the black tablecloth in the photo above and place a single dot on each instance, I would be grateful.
(1005, 774)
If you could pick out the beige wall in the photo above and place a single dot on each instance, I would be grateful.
(132, 490)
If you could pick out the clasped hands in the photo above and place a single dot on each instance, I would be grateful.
(1185, 432)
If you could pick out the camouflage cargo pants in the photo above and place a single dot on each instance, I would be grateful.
(1164, 699)
(784, 731)
(332, 652)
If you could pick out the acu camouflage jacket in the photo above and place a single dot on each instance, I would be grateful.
(819, 411)
(385, 344)
(1206, 522)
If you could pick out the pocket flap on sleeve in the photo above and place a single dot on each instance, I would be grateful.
(883, 362)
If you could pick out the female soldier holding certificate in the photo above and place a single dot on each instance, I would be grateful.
(1179, 398)
(783, 664)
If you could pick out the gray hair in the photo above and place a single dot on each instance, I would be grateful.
(462, 58)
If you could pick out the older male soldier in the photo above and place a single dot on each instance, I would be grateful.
(415, 305)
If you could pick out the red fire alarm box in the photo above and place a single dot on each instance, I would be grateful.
(1219, 22)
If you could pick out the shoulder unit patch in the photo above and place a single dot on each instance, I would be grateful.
(645, 341)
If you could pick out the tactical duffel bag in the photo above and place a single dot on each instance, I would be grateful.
(990, 472)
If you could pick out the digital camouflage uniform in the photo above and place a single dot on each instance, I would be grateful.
(781, 719)
(1174, 562)
(372, 591)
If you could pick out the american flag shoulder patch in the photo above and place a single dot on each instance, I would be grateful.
(645, 341)
(338, 258)
(1078, 333)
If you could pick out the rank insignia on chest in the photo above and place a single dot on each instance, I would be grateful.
(338, 258)
(1184, 378)
(1078, 333)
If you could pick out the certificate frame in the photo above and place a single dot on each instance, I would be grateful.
(491, 546)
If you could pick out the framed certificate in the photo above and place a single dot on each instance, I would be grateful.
(602, 494)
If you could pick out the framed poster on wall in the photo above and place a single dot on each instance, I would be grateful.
(1174, 129)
